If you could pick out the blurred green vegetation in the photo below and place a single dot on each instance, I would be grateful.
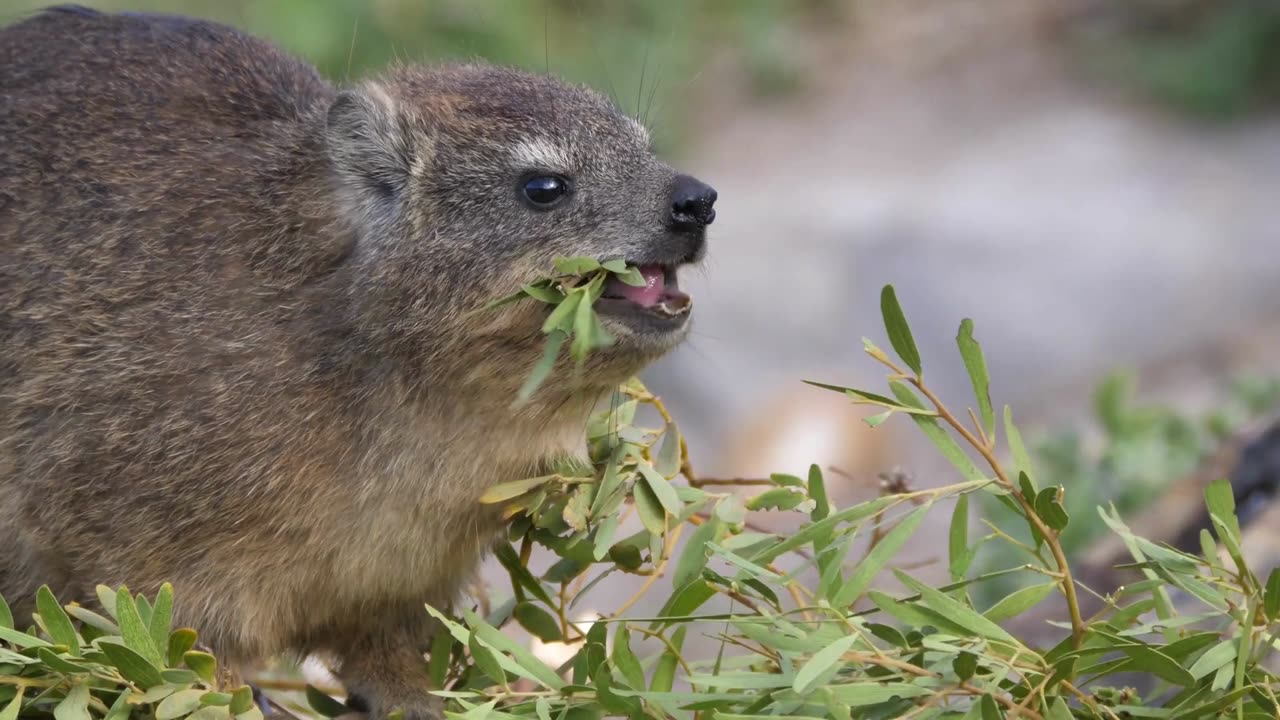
(1144, 447)
(1208, 58)
(648, 54)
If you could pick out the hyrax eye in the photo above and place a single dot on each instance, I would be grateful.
(545, 191)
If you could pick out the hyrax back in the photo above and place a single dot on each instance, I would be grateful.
(237, 347)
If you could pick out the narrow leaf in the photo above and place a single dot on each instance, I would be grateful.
(822, 665)
(75, 706)
(550, 352)
(325, 705)
(1018, 602)
(135, 633)
(56, 620)
(875, 560)
(976, 364)
(895, 324)
(162, 617)
(958, 541)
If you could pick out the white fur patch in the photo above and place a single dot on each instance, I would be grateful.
(540, 154)
(640, 129)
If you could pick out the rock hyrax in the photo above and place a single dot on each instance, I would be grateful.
(237, 346)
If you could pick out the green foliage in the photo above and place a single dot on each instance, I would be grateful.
(76, 664)
(1216, 59)
(577, 283)
(1143, 447)
(800, 629)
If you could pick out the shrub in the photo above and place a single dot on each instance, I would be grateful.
(807, 634)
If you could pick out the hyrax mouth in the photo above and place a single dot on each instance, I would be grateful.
(660, 295)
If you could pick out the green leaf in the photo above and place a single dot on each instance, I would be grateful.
(135, 633)
(615, 266)
(1018, 602)
(664, 672)
(965, 665)
(543, 293)
(1271, 595)
(588, 333)
(519, 573)
(684, 601)
(533, 668)
(6, 615)
(1148, 659)
(610, 482)
(59, 664)
(869, 398)
(960, 553)
(775, 499)
(438, 662)
(56, 621)
(537, 621)
(241, 700)
(731, 510)
(325, 705)
(818, 491)
(513, 489)
(486, 660)
(202, 664)
(1215, 657)
(161, 617)
(120, 709)
(107, 598)
(1221, 502)
(604, 537)
(576, 265)
(957, 612)
(1050, 510)
(1021, 458)
(550, 352)
(877, 419)
(92, 619)
(219, 699)
(10, 711)
(21, 639)
(941, 439)
(650, 510)
(662, 490)
(694, 556)
(179, 704)
(562, 318)
(133, 666)
(668, 461)
(180, 641)
(632, 277)
(859, 694)
(875, 560)
(976, 364)
(822, 665)
(624, 660)
(895, 324)
(75, 706)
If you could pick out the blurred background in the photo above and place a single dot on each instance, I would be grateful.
(1095, 183)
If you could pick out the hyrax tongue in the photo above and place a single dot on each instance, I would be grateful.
(648, 295)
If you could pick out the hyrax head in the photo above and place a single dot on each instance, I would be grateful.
(464, 182)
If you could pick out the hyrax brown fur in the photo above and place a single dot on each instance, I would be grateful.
(237, 346)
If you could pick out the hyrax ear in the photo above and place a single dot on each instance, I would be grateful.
(369, 144)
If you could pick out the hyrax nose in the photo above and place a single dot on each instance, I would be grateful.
(692, 203)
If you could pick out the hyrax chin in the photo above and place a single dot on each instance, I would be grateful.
(237, 346)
